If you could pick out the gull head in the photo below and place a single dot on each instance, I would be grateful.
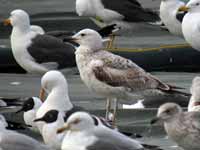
(18, 18)
(88, 38)
(192, 6)
(52, 79)
(79, 121)
(195, 88)
(167, 112)
(32, 103)
(49, 117)
(3, 122)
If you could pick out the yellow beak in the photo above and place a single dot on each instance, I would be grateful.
(183, 8)
(7, 22)
(64, 128)
(42, 94)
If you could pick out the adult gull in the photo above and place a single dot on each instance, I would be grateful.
(34, 52)
(171, 17)
(83, 132)
(191, 23)
(11, 140)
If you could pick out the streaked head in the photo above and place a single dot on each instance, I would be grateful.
(167, 112)
(78, 121)
(18, 18)
(88, 38)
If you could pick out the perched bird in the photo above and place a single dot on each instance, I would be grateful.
(35, 52)
(171, 17)
(83, 132)
(11, 140)
(125, 14)
(29, 109)
(55, 85)
(53, 120)
(191, 23)
(194, 104)
(112, 76)
(181, 127)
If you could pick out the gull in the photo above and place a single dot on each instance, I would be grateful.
(113, 76)
(181, 127)
(191, 23)
(54, 83)
(194, 104)
(127, 14)
(171, 17)
(35, 52)
(29, 109)
(53, 120)
(84, 133)
(11, 140)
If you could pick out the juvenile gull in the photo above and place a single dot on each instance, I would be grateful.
(11, 140)
(112, 76)
(181, 127)
(191, 23)
(34, 52)
(194, 104)
(171, 17)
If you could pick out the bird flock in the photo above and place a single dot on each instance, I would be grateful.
(65, 126)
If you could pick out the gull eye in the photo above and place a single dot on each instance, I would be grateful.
(83, 34)
(76, 121)
(197, 4)
(167, 111)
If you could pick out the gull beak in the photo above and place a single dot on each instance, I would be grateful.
(7, 22)
(155, 121)
(37, 120)
(73, 41)
(42, 94)
(64, 128)
(183, 8)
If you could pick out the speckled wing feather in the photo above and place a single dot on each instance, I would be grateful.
(120, 72)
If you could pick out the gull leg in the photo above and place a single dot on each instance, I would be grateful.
(108, 106)
(115, 112)
(111, 42)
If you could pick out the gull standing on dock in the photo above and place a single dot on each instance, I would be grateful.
(34, 52)
(110, 75)
(191, 23)
(182, 127)
(171, 17)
